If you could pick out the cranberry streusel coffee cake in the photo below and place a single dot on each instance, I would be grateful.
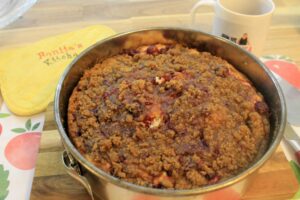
(167, 117)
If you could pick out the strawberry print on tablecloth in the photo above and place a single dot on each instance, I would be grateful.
(285, 67)
(22, 150)
(3, 115)
(19, 143)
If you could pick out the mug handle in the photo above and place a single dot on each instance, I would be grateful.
(199, 4)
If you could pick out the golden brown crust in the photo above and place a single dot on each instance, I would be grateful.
(167, 117)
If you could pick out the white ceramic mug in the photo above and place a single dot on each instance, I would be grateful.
(243, 22)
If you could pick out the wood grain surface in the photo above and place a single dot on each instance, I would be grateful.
(275, 180)
(53, 12)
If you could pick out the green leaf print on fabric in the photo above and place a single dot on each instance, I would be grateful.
(3, 182)
(28, 124)
(281, 57)
(18, 130)
(271, 57)
(28, 127)
(3, 115)
(36, 126)
(296, 170)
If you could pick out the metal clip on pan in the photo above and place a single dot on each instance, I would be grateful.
(73, 170)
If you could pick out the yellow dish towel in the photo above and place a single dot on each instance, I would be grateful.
(29, 75)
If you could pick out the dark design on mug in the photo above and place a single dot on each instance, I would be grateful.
(225, 36)
(243, 41)
(233, 39)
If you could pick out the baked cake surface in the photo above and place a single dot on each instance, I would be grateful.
(167, 117)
